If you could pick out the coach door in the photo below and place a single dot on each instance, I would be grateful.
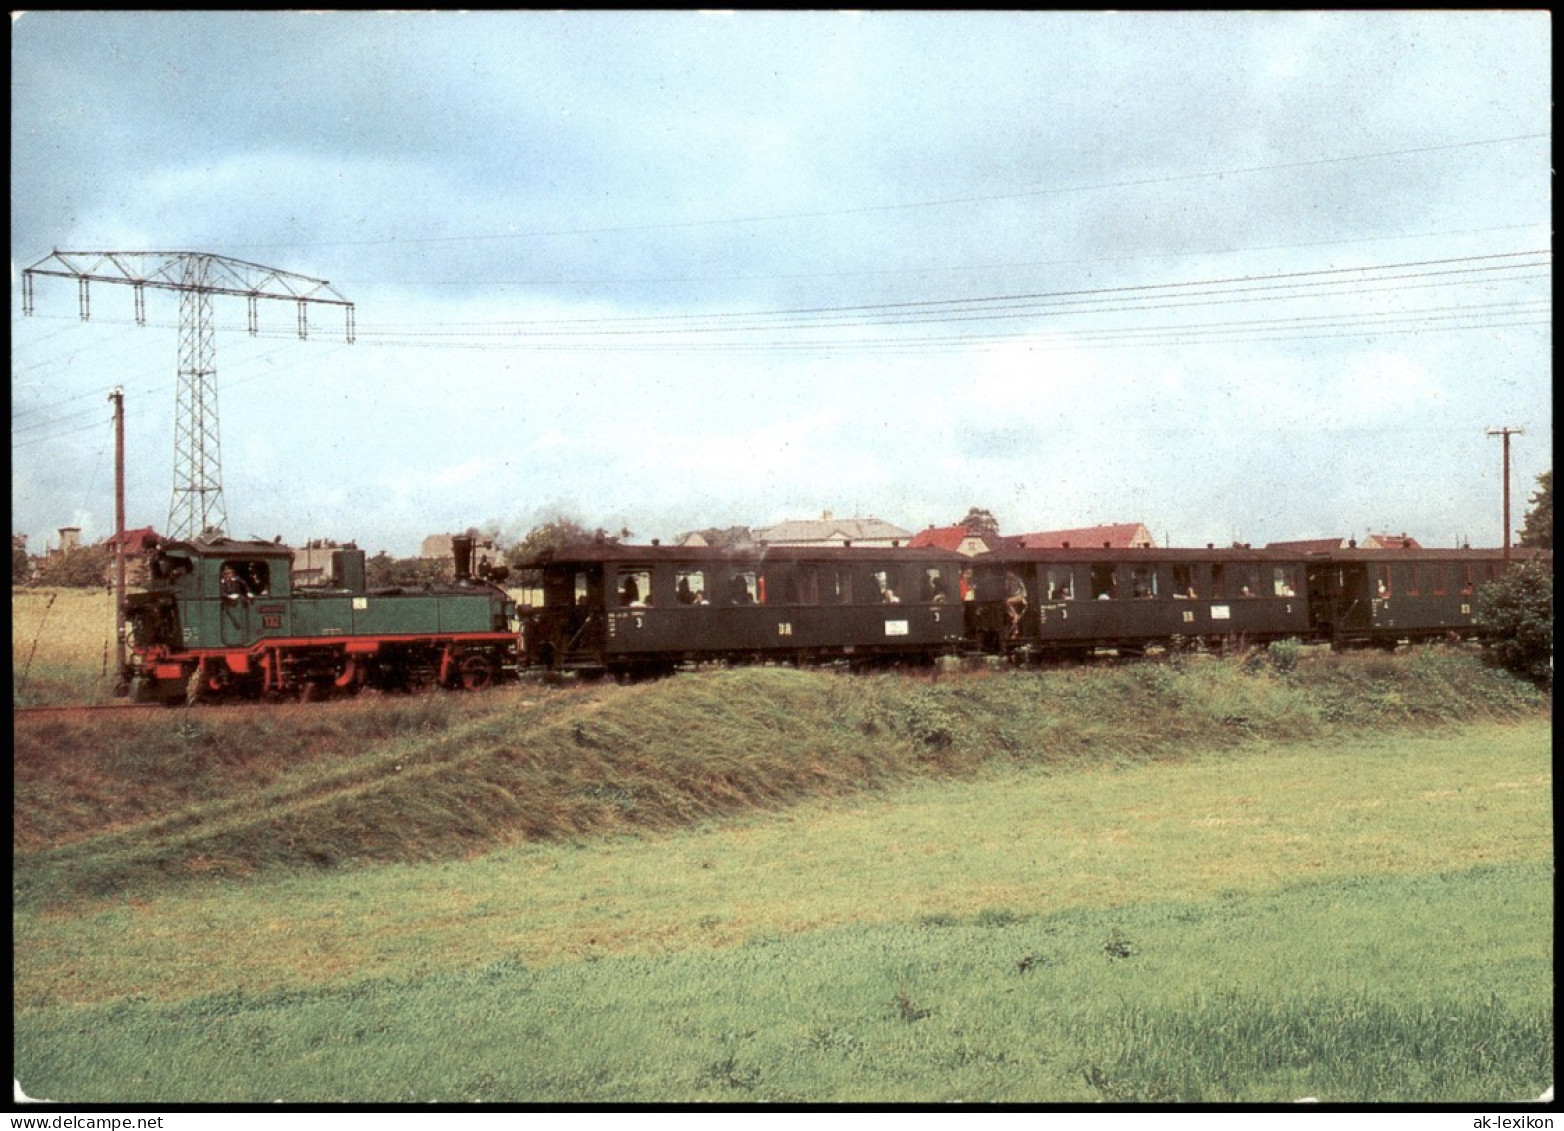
(1339, 598)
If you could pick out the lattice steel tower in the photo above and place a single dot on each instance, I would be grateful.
(196, 506)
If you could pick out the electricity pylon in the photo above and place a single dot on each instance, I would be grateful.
(196, 506)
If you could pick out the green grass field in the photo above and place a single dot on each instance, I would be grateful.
(1216, 881)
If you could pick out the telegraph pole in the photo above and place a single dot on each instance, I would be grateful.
(1506, 433)
(121, 685)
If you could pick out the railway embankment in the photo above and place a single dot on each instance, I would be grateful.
(108, 802)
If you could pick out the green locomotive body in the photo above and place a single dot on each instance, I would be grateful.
(223, 618)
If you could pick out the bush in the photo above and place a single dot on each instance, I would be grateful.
(1515, 614)
(1285, 654)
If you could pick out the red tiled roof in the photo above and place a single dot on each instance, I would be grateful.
(138, 539)
(1119, 536)
(1389, 542)
(939, 538)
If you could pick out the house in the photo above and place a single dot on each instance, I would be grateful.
(1370, 542)
(828, 530)
(312, 564)
(436, 546)
(138, 545)
(957, 538)
(1118, 536)
(1389, 542)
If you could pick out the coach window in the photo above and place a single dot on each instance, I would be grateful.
(1382, 581)
(1061, 583)
(806, 580)
(836, 584)
(1143, 581)
(635, 587)
(1404, 583)
(1184, 582)
(887, 582)
(780, 584)
(1219, 580)
(689, 586)
(1284, 581)
(744, 588)
(935, 589)
(1103, 587)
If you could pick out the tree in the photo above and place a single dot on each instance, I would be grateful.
(1537, 530)
(21, 564)
(85, 567)
(383, 571)
(556, 535)
(1516, 614)
(980, 523)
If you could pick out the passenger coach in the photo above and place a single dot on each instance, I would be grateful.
(1382, 597)
(1128, 599)
(645, 609)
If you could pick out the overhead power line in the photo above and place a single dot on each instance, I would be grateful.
(902, 206)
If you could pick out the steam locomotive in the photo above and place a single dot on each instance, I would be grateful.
(222, 618)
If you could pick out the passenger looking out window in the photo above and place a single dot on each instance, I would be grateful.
(885, 583)
(1283, 582)
(934, 586)
(1103, 587)
(743, 589)
(688, 582)
(1143, 581)
(1184, 583)
(1061, 584)
(635, 589)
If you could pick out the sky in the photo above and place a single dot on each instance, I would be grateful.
(1238, 276)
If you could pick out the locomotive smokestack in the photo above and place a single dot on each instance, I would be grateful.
(461, 550)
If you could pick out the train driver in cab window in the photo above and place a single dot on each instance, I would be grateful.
(231, 585)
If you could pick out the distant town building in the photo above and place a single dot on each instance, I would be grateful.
(436, 546)
(831, 531)
(312, 565)
(1117, 536)
(1389, 542)
(957, 538)
(1370, 542)
(70, 539)
(139, 544)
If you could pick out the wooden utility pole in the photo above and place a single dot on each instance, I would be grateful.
(121, 684)
(1506, 433)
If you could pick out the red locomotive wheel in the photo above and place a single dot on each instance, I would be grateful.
(475, 672)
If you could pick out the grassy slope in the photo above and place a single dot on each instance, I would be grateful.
(169, 796)
(1023, 839)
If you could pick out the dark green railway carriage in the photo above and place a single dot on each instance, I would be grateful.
(1128, 599)
(1382, 597)
(643, 609)
(222, 617)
